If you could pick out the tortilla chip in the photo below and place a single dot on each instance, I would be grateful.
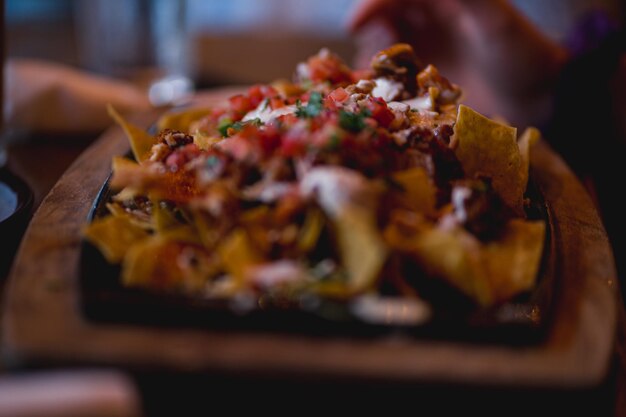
(163, 217)
(512, 262)
(454, 256)
(183, 234)
(126, 174)
(238, 254)
(125, 194)
(525, 142)
(490, 272)
(419, 191)
(181, 120)
(488, 149)
(311, 230)
(114, 235)
(206, 229)
(363, 252)
(144, 222)
(140, 140)
(205, 142)
(150, 264)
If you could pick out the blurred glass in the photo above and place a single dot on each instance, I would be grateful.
(144, 41)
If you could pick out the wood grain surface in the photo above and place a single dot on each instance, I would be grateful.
(42, 323)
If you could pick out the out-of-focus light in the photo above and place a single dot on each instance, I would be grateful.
(391, 310)
(170, 90)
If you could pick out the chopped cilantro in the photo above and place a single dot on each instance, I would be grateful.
(353, 122)
(240, 125)
(226, 124)
(313, 107)
(223, 125)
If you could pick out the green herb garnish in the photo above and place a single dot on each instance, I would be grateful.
(353, 122)
(313, 107)
(223, 126)
(227, 124)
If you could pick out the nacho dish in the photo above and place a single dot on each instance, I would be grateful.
(339, 184)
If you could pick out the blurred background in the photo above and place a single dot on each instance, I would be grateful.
(214, 42)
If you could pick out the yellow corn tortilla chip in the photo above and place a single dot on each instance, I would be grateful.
(311, 229)
(487, 272)
(362, 250)
(162, 263)
(525, 142)
(114, 235)
(126, 174)
(512, 263)
(140, 140)
(182, 119)
(151, 263)
(454, 256)
(489, 149)
(143, 222)
(205, 142)
(420, 192)
(237, 254)
(163, 218)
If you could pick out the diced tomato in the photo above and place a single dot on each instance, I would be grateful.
(382, 140)
(259, 92)
(380, 112)
(241, 148)
(216, 113)
(241, 104)
(328, 69)
(276, 103)
(339, 94)
(292, 148)
(270, 139)
(255, 95)
(335, 98)
(294, 142)
(181, 156)
(288, 119)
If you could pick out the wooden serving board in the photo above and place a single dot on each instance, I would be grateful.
(43, 324)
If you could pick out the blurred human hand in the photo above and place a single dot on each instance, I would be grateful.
(485, 40)
(428, 25)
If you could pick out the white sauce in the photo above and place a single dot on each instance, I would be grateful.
(269, 192)
(337, 188)
(387, 89)
(365, 86)
(265, 113)
(459, 196)
(397, 106)
(275, 273)
(424, 103)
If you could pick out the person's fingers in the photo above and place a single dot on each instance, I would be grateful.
(370, 39)
(368, 10)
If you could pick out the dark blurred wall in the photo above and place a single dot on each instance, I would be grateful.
(40, 29)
